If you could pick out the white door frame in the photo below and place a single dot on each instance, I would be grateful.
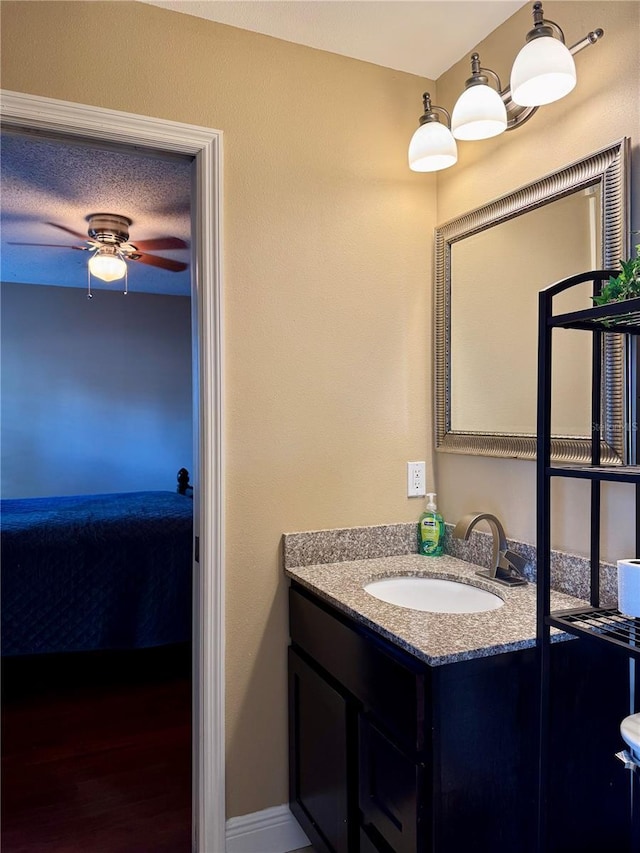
(89, 122)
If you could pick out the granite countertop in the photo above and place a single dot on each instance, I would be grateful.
(436, 638)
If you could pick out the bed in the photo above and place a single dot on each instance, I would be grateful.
(96, 572)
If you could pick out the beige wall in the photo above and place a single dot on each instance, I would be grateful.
(604, 107)
(327, 259)
(327, 254)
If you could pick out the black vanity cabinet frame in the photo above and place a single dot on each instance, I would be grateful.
(366, 788)
(604, 626)
(391, 755)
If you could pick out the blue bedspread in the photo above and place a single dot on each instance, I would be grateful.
(96, 572)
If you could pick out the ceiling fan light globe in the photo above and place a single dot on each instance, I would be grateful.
(107, 267)
(479, 113)
(543, 72)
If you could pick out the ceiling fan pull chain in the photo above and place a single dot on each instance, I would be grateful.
(126, 281)
(89, 294)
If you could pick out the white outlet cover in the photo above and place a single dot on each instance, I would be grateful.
(416, 485)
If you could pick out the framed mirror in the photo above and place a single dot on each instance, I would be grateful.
(490, 265)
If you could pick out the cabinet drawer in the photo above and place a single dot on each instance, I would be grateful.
(392, 791)
(392, 686)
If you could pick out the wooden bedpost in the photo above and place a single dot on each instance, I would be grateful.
(183, 481)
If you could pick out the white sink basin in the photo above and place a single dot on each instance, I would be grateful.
(433, 595)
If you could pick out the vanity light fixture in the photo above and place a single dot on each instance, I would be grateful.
(432, 146)
(543, 72)
(479, 112)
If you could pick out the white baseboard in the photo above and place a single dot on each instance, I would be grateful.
(272, 830)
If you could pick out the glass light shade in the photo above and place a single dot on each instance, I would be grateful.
(544, 71)
(479, 113)
(107, 267)
(432, 148)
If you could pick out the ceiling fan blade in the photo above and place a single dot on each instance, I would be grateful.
(162, 263)
(48, 245)
(160, 243)
(68, 230)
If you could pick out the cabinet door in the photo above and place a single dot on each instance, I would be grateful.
(389, 683)
(392, 791)
(318, 758)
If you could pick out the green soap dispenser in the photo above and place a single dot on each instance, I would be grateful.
(431, 529)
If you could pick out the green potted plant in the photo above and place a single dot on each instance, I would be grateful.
(626, 285)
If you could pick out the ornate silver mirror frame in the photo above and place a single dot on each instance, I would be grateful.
(608, 169)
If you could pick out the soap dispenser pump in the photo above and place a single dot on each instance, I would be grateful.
(431, 529)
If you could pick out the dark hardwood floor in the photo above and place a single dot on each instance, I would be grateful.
(96, 753)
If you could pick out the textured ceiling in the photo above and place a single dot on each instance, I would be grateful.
(47, 181)
(423, 37)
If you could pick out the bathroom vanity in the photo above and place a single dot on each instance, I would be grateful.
(414, 731)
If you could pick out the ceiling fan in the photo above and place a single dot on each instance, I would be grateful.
(108, 239)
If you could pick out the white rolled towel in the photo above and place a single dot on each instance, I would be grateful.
(629, 587)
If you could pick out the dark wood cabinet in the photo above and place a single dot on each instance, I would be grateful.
(319, 766)
(388, 754)
(392, 800)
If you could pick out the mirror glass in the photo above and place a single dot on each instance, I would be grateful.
(569, 229)
(490, 266)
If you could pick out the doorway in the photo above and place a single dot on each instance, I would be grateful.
(30, 113)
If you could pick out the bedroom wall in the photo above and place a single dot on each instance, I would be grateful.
(327, 298)
(604, 106)
(96, 394)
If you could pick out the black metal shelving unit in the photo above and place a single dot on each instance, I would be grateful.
(592, 622)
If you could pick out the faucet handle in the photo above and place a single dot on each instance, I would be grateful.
(514, 559)
(512, 565)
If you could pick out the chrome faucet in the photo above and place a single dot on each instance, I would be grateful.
(506, 566)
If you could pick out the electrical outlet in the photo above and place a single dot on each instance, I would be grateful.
(416, 487)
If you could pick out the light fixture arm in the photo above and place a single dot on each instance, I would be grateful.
(517, 115)
(430, 113)
(479, 74)
(542, 26)
(587, 41)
